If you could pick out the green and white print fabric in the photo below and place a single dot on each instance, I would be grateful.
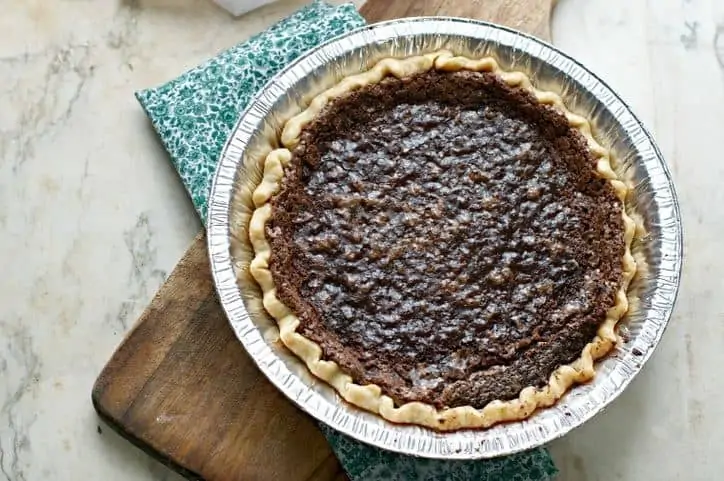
(367, 463)
(194, 115)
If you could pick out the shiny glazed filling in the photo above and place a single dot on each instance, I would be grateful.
(446, 238)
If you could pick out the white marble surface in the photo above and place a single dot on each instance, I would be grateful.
(93, 218)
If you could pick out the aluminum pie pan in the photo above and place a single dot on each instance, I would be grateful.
(654, 199)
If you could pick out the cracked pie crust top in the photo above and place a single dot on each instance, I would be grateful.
(443, 243)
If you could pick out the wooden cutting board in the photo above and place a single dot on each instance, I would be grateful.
(182, 388)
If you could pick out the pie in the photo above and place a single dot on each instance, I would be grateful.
(443, 243)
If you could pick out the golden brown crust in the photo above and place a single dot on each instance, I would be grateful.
(370, 397)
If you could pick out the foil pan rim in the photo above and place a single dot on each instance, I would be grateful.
(576, 407)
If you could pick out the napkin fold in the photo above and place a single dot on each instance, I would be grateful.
(194, 115)
(240, 7)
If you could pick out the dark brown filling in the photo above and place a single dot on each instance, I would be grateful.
(445, 237)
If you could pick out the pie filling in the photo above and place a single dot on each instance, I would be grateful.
(445, 237)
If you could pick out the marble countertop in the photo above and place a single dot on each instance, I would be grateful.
(93, 219)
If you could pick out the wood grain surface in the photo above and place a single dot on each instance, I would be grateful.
(531, 16)
(182, 388)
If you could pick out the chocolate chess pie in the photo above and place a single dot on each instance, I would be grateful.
(442, 242)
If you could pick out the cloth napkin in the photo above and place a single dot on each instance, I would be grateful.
(195, 113)
(240, 7)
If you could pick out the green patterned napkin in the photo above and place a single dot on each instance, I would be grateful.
(195, 113)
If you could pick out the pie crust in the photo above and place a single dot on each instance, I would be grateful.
(371, 397)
